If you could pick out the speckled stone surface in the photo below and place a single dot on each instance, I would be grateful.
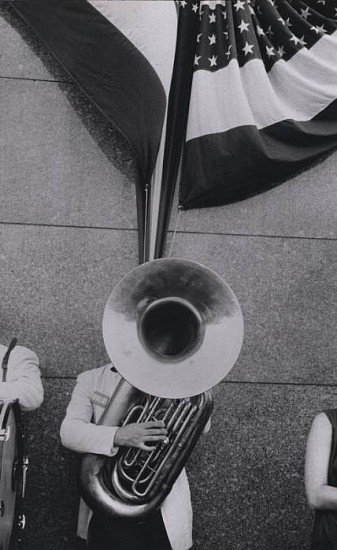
(305, 206)
(22, 54)
(60, 162)
(51, 494)
(246, 475)
(287, 291)
(54, 285)
(55, 282)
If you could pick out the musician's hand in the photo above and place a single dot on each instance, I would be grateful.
(141, 435)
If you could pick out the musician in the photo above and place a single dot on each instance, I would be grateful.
(168, 528)
(20, 377)
(321, 479)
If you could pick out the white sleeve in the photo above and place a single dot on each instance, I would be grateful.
(78, 432)
(23, 379)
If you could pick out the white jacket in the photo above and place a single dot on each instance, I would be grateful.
(23, 380)
(79, 433)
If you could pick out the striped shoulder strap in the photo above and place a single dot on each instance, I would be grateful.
(4, 364)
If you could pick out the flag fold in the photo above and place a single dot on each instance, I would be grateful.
(263, 100)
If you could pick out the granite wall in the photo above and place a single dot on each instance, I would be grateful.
(68, 234)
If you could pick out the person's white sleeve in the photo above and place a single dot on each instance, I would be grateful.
(78, 432)
(23, 379)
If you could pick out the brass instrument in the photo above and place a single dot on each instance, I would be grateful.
(173, 329)
(13, 467)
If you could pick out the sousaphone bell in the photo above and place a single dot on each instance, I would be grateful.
(173, 329)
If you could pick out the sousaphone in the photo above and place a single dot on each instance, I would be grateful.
(173, 329)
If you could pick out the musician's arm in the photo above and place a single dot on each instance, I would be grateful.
(78, 432)
(320, 495)
(23, 379)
